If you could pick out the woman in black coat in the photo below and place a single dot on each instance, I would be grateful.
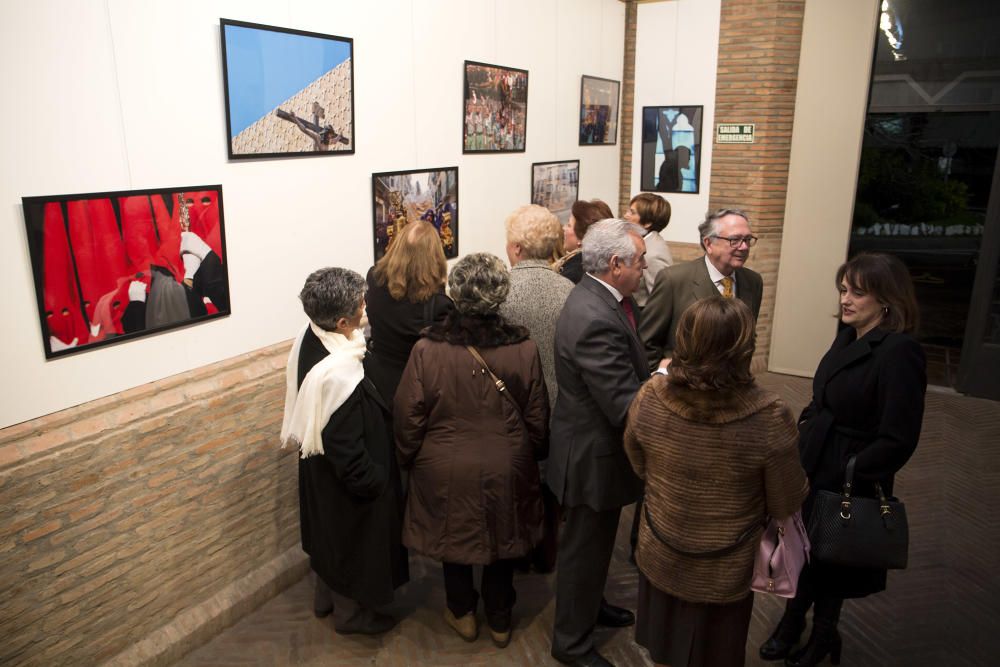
(350, 503)
(405, 295)
(868, 402)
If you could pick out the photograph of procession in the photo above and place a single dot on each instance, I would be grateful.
(671, 148)
(556, 185)
(288, 92)
(495, 108)
(598, 111)
(403, 197)
(113, 266)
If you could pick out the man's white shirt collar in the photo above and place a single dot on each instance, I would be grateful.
(716, 276)
(615, 293)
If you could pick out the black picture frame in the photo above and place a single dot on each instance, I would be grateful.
(556, 189)
(661, 170)
(300, 108)
(507, 122)
(396, 196)
(599, 101)
(109, 267)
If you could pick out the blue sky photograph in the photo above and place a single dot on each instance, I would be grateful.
(265, 68)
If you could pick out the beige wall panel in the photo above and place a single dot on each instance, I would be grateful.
(834, 71)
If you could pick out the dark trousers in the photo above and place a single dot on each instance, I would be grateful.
(585, 547)
(826, 609)
(497, 585)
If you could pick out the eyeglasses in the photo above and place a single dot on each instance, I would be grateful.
(736, 241)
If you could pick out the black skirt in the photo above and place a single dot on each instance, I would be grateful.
(691, 634)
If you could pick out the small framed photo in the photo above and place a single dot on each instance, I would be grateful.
(671, 149)
(598, 111)
(494, 109)
(403, 197)
(115, 266)
(288, 92)
(556, 185)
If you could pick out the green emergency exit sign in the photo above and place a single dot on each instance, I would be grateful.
(734, 133)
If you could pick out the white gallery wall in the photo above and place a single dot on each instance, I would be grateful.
(107, 95)
(676, 54)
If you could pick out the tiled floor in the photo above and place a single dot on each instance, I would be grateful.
(943, 610)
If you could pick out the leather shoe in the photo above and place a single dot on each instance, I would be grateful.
(611, 616)
(589, 659)
(366, 622)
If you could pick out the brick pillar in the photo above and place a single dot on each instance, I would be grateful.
(627, 107)
(759, 44)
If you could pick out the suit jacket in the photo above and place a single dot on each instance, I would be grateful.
(599, 366)
(657, 258)
(676, 288)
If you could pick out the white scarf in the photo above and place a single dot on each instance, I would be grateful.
(325, 388)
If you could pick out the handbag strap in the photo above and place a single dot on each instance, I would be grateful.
(500, 385)
(845, 503)
(714, 553)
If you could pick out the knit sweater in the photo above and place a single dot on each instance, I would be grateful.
(715, 464)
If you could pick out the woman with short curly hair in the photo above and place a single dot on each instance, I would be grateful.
(471, 444)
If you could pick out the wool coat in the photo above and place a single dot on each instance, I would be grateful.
(677, 287)
(350, 506)
(395, 327)
(716, 463)
(474, 494)
(868, 400)
(537, 294)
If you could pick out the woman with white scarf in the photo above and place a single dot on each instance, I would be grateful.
(349, 491)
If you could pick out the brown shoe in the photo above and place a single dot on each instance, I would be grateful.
(500, 639)
(466, 626)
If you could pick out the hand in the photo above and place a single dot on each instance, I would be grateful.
(664, 363)
(137, 291)
(192, 243)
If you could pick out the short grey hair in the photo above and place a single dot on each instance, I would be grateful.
(710, 225)
(535, 229)
(330, 294)
(479, 284)
(607, 238)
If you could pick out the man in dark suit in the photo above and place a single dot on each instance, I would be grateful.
(726, 239)
(599, 364)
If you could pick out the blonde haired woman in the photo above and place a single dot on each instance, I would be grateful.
(405, 295)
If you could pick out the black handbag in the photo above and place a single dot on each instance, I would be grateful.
(858, 532)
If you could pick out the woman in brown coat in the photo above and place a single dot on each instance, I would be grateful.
(718, 454)
(471, 447)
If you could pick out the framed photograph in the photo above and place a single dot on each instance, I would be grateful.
(671, 149)
(598, 111)
(402, 197)
(495, 109)
(113, 266)
(288, 92)
(556, 185)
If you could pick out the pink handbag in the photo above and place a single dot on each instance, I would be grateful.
(783, 552)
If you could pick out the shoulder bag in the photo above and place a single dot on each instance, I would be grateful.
(859, 532)
(500, 385)
(783, 552)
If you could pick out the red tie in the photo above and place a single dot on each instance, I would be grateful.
(629, 313)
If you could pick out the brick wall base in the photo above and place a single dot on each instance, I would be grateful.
(136, 526)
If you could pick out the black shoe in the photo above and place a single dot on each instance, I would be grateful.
(589, 659)
(322, 599)
(366, 622)
(784, 638)
(611, 616)
(816, 650)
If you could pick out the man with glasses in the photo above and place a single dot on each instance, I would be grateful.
(726, 239)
